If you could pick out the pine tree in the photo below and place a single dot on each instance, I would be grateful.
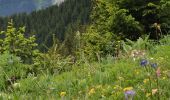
(16, 43)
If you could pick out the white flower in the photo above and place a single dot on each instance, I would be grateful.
(16, 85)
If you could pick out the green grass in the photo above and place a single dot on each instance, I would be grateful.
(93, 81)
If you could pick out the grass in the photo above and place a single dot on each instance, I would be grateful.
(104, 80)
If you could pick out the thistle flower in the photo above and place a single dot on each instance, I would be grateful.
(144, 62)
(129, 94)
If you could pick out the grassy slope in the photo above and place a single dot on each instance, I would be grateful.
(105, 80)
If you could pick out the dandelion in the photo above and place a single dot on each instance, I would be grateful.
(154, 65)
(145, 81)
(144, 62)
(158, 72)
(62, 94)
(129, 94)
(128, 89)
(92, 91)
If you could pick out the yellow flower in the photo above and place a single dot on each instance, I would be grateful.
(136, 72)
(62, 94)
(163, 78)
(128, 88)
(92, 91)
(148, 94)
(145, 81)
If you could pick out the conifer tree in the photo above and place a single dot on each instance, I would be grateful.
(16, 43)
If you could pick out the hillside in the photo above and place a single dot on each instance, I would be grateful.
(87, 50)
(109, 78)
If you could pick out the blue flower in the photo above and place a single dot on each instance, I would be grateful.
(129, 94)
(154, 65)
(144, 62)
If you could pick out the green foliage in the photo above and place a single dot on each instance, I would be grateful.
(52, 61)
(11, 67)
(108, 17)
(165, 16)
(15, 43)
(165, 40)
(96, 44)
(53, 20)
(106, 80)
(140, 44)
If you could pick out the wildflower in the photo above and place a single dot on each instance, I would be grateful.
(144, 62)
(128, 89)
(154, 91)
(92, 91)
(103, 96)
(151, 58)
(154, 65)
(164, 78)
(158, 72)
(62, 94)
(148, 94)
(145, 81)
(129, 94)
(16, 85)
(136, 72)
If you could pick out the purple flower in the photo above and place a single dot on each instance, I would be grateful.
(144, 62)
(154, 65)
(129, 94)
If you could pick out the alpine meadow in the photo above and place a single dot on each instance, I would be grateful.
(84, 49)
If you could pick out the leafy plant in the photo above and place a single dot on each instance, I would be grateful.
(140, 44)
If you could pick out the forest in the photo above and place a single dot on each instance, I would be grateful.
(87, 50)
